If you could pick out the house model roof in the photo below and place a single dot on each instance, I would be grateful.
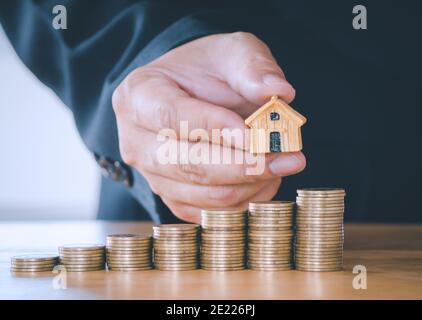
(275, 100)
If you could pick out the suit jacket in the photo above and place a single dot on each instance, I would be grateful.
(358, 88)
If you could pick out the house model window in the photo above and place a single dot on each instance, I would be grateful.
(274, 116)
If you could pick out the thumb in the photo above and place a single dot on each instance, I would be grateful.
(252, 70)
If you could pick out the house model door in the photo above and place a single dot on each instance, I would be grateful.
(275, 145)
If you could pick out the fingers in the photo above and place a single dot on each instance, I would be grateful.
(204, 195)
(200, 79)
(191, 213)
(142, 150)
(155, 102)
(209, 84)
(252, 70)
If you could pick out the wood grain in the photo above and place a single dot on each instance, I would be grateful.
(392, 255)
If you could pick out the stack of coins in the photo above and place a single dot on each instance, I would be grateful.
(223, 239)
(270, 235)
(82, 257)
(32, 263)
(129, 252)
(176, 247)
(319, 229)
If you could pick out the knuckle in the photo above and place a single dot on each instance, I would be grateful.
(121, 98)
(166, 115)
(133, 78)
(117, 100)
(127, 153)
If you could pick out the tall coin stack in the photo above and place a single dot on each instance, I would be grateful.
(223, 239)
(129, 252)
(319, 229)
(32, 263)
(176, 246)
(270, 235)
(82, 257)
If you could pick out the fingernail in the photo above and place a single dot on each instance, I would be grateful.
(286, 165)
(273, 78)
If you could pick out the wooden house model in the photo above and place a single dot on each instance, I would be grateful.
(275, 127)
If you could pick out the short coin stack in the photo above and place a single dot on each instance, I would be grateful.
(32, 263)
(82, 257)
(223, 239)
(270, 235)
(319, 229)
(176, 247)
(129, 252)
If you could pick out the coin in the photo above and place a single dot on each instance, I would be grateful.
(224, 226)
(34, 263)
(31, 270)
(129, 252)
(271, 204)
(128, 237)
(176, 227)
(223, 267)
(219, 241)
(304, 222)
(324, 190)
(319, 229)
(175, 256)
(166, 265)
(225, 217)
(177, 268)
(223, 236)
(175, 243)
(82, 257)
(35, 257)
(311, 201)
(270, 236)
(68, 269)
(319, 269)
(222, 263)
(81, 247)
(128, 263)
(266, 267)
(223, 259)
(81, 261)
(176, 246)
(269, 253)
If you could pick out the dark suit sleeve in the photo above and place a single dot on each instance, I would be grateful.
(103, 42)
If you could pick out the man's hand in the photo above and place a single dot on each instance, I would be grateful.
(213, 83)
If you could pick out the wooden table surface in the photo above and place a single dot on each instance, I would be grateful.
(392, 255)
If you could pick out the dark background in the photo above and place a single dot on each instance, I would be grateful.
(361, 93)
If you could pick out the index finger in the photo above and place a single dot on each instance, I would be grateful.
(156, 103)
